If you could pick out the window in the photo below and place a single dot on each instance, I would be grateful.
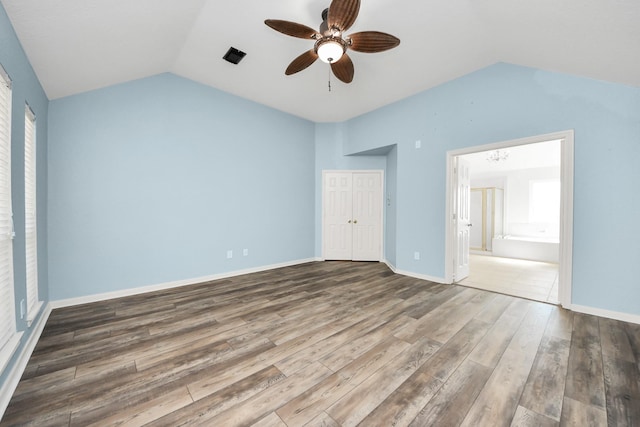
(9, 339)
(544, 201)
(31, 243)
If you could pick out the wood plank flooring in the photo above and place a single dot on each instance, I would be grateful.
(329, 344)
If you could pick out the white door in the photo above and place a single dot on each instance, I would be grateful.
(462, 215)
(337, 226)
(352, 215)
(367, 216)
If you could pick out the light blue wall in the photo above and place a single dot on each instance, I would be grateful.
(329, 145)
(153, 181)
(25, 88)
(504, 102)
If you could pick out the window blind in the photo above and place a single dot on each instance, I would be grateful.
(31, 243)
(8, 333)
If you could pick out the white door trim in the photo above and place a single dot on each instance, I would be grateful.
(566, 205)
(381, 222)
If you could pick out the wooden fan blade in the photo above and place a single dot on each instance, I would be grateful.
(301, 62)
(292, 29)
(372, 41)
(343, 13)
(343, 69)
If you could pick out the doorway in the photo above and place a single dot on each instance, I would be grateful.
(525, 248)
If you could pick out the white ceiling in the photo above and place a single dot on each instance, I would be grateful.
(536, 155)
(80, 45)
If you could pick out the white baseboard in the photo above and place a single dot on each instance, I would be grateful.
(615, 315)
(9, 386)
(422, 276)
(391, 266)
(415, 275)
(169, 285)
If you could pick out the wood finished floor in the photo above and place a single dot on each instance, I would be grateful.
(329, 344)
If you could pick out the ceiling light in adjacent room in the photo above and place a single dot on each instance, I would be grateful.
(497, 156)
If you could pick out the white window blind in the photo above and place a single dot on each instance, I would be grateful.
(31, 243)
(8, 335)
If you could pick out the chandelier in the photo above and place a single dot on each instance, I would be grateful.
(497, 156)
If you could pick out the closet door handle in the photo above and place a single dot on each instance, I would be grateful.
(355, 221)
(349, 222)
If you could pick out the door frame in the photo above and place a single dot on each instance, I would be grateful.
(381, 255)
(566, 205)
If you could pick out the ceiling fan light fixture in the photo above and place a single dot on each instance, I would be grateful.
(330, 51)
(331, 42)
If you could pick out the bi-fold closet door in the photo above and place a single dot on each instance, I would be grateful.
(352, 215)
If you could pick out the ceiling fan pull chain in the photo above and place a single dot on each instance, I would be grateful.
(329, 81)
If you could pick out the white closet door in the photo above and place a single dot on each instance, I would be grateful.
(352, 215)
(337, 216)
(367, 216)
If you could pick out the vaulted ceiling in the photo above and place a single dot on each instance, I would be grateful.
(80, 45)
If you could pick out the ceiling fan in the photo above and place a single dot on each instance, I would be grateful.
(331, 44)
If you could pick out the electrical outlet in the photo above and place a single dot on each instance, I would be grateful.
(229, 254)
(245, 252)
(418, 143)
(416, 256)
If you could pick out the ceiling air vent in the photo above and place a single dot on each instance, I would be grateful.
(234, 55)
